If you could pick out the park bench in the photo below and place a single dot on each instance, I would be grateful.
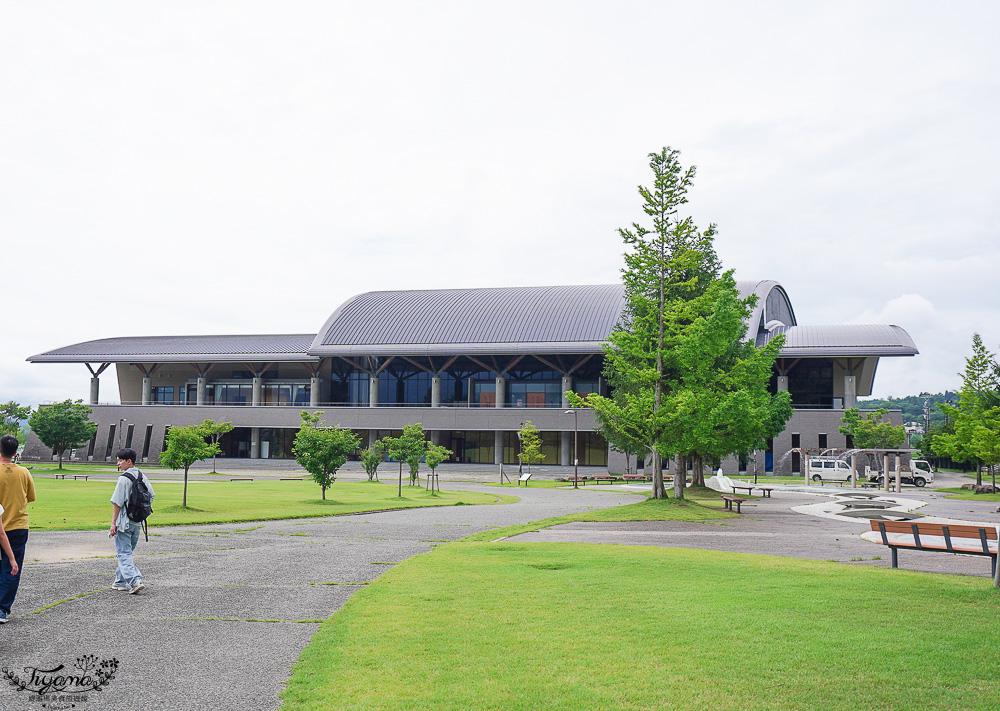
(635, 477)
(602, 477)
(59, 476)
(85, 477)
(730, 500)
(938, 538)
(242, 478)
(765, 490)
(286, 478)
(524, 477)
(578, 479)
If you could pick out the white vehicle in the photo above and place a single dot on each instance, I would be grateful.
(919, 473)
(829, 469)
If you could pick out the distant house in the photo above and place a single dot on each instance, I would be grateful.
(469, 364)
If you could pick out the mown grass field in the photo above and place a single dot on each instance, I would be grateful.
(576, 626)
(66, 504)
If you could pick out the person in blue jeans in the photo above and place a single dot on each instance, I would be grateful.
(17, 490)
(124, 530)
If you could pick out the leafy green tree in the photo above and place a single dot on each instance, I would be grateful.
(322, 451)
(11, 415)
(975, 421)
(185, 446)
(434, 456)
(531, 445)
(371, 457)
(718, 402)
(63, 425)
(667, 264)
(215, 430)
(870, 431)
(414, 444)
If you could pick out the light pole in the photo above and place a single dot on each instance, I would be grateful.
(576, 460)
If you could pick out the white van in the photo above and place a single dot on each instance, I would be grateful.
(919, 473)
(829, 469)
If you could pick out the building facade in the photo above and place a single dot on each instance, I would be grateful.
(471, 365)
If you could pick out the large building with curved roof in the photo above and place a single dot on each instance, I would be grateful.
(471, 365)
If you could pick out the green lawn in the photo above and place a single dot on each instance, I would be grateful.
(66, 504)
(575, 626)
(959, 493)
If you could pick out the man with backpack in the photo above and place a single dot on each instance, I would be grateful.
(131, 504)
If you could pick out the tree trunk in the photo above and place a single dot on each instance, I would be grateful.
(60, 458)
(659, 491)
(679, 476)
(323, 489)
(184, 499)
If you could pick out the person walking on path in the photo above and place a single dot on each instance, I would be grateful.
(124, 530)
(17, 490)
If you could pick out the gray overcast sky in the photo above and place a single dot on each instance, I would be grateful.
(243, 167)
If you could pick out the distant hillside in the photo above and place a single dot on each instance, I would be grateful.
(912, 405)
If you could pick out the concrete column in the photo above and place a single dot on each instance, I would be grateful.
(567, 384)
(854, 471)
(202, 390)
(899, 476)
(436, 391)
(255, 441)
(850, 392)
(372, 437)
(314, 391)
(95, 390)
(373, 391)
(565, 448)
(435, 437)
(885, 472)
(501, 392)
(258, 393)
(782, 383)
(147, 390)
(498, 447)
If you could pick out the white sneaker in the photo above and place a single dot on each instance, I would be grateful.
(119, 586)
(136, 586)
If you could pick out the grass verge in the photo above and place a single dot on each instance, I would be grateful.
(701, 505)
(959, 493)
(577, 626)
(65, 504)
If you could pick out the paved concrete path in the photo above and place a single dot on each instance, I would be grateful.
(229, 608)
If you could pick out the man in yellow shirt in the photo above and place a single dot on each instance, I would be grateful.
(17, 490)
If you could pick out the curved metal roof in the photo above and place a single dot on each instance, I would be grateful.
(167, 349)
(530, 319)
(849, 340)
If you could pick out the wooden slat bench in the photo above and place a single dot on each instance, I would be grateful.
(938, 538)
(765, 490)
(85, 477)
(635, 477)
(578, 479)
(730, 500)
(242, 478)
(603, 477)
(59, 476)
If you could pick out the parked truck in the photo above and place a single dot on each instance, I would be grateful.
(919, 473)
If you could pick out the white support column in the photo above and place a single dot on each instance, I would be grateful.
(257, 398)
(782, 383)
(255, 442)
(567, 384)
(95, 390)
(314, 385)
(147, 390)
(372, 437)
(885, 472)
(436, 391)
(850, 392)
(565, 448)
(202, 390)
(498, 447)
(435, 437)
(373, 391)
(854, 471)
(501, 392)
(899, 476)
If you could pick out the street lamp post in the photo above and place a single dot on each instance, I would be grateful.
(576, 449)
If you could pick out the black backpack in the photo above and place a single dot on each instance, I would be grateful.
(140, 504)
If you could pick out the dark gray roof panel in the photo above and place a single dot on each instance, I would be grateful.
(166, 349)
(848, 340)
(535, 319)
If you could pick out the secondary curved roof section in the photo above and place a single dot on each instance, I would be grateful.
(850, 340)
(167, 349)
(512, 320)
